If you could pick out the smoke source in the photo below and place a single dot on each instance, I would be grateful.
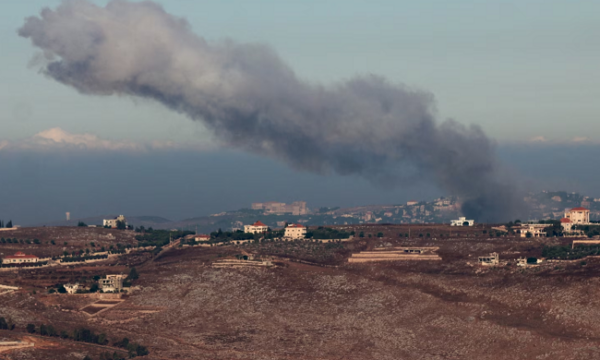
(252, 100)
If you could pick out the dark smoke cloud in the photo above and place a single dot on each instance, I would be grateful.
(252, 100)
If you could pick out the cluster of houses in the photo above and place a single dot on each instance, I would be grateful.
(110, 284)
(572, 217)
(292, 231)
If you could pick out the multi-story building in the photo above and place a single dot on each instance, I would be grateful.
(578, 215)
(113, 222)
(112, 283)
(256, 228)
(19, 258)
(295, 231)
(278, 208)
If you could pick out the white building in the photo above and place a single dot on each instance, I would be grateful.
(492, 259)
(536, 230)
(411, 202)
(256, 228)
(578, 215)
(113, 222)
(295, 231)
(19, 258)
(112, 283)
(461, 222)
(71, 288)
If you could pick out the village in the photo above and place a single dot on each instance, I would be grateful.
(105, 276)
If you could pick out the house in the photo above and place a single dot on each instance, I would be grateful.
(536, 230)
(112, 283)
(71, 288)
(462, 221)
(578, 215)
(19, 258)
(112, 223)
(566, 223)
(491, 260)
(295, 231)
(202, 237)
(411, 202)
(256, 228)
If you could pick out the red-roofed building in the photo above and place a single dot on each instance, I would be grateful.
(256, 228)
(578, 215)
(201, 237)
(566, 224)
(20, 257)
(295, 231)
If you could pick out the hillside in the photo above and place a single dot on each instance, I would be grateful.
(448, 309)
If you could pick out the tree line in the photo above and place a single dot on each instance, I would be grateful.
(88, 336)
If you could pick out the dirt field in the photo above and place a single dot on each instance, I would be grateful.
(448, 309)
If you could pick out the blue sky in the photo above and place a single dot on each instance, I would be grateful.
(520, 69)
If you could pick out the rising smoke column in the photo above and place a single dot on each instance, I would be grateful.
(252, 100)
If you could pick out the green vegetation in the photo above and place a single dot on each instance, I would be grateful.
(159, 237)
(83, 258)
(323, 233)
(4, 325)
(221, 236)
(589, 230)
(566, 253)
(81, 224)
(88, 336)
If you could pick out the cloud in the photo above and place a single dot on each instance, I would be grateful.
(538, 139)
(59, 139)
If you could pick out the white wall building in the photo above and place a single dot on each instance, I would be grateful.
(19, 258)
(113, 222)
(71, 288)
(536, 230)
(295, 231)
(112, 283)
(461, 222)
(256, 228)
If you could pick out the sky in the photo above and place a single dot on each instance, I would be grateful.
(525, 71)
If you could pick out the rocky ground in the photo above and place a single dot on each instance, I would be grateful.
(450, 309)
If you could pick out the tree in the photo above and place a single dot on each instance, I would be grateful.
(61, 289)
(3, 324)
(121, 225)
(133, 275)
(9, 224)
(30, 328)
(94, 288)
(528, 235)
(379, 234)
(531, 260)
(81, 224)
(43, 330)
(361, 234)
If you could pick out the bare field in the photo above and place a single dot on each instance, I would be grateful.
(448, 309)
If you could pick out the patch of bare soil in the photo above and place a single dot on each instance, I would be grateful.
(449, 309)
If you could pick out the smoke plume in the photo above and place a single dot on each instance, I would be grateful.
(252, 100)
